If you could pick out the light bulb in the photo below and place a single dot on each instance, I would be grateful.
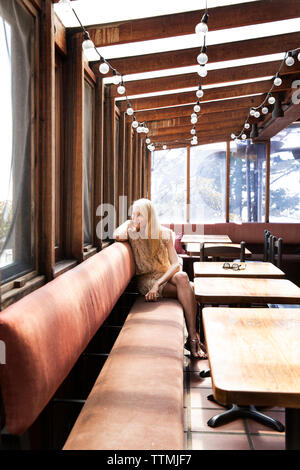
(65, 5)
(232, 136)
(116, 79)
(199, 93)
(196, 108)
(252, 112)
(277, 81)
(164, 147)
(298, 56)
(146, 130)
(244, 137)
(194, 120)
(201, 28)
(129, 111)
(87, 44)
(194, 115)
(149, 147)
(247, 125)
(271, 100)
(104, 68)
(135, 124)
(152, 147)
(121, 89)
(290, 59)
(193, 131)
(202, 58)
(148, 141)
(264, 110)
(194, 142)
(256, 114)
(139, 129)
(202, 71)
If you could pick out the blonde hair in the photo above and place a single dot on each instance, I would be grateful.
(153, 227)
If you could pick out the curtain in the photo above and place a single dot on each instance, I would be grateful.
(16, 186)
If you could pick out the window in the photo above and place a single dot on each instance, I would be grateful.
(168, 184)
(17, 211)
(247, 182)
(88, 161)
(208, 183)
(285, 175)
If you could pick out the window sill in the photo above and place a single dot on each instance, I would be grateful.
(63, 266)
(18, 288)
(88, 252)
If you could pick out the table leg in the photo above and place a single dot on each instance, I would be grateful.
(292, 429)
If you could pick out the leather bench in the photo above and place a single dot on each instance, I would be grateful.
(47, 331)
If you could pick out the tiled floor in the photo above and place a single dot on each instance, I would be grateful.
(242, 434)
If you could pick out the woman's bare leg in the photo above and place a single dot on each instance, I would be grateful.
(179, 286)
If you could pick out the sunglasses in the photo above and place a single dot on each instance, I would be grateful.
(234, 266)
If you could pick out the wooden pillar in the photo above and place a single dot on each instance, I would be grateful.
(149, 173)
(98, 164)
(267, 208)
(144, 172)
(139, 162)
(46, 223)
(227, 195)
(74, 149)
(121, 215)
(128, 183)
(109, 149)
(135, 166)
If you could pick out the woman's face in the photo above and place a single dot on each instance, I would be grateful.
(138, 219)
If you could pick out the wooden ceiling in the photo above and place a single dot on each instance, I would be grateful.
(225, 108)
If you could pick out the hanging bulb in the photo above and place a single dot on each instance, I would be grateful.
(165, 147)
(104, 67)
(197, 108)
(146, 130)
(199, 93)
(277, 80)
(135, 124)
(271, 100)
(139, 129)
(202, 71)
(149, 147)
(298, 56)
(129, 110)
(232, 136)
(256, 114)
(264, 110)
(202, 27)
(244, 137)
(148, 141)
(252, 112)
(193, 131)
(116, 78)
(65, 5)
(247, 125)
(121, 89)
(290, 59)
(87, 43)
(202, 57)
(194, 120)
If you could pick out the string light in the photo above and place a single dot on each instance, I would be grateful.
(290, 59)
(202, 26)
(277, 80)
(104, 67)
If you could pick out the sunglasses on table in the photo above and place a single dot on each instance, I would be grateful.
(234, 266)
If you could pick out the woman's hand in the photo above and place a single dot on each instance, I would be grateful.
(152, 295)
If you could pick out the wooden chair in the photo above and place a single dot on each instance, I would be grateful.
(275, 251)
(221, 251)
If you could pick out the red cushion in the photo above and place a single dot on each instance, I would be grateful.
(178, 246)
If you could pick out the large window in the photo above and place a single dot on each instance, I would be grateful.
(247, 182)
(17, 211)
(208, 183)
(168, 184)
(285, 175)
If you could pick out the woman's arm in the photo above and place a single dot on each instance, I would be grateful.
(174, 268)
(121, 232)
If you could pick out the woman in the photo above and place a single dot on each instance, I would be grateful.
(158, 269)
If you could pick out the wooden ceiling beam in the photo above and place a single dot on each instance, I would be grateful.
(230, 74)
(184, 137)
(211, 107)
(200, 127)
(275, 125)
(218, 93)
(184, 23)
(216, 53)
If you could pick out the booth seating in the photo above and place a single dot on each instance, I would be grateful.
(139, 392)
(253, 234)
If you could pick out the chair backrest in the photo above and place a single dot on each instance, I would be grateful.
(220, 250)
(267, 235)
(275, 251)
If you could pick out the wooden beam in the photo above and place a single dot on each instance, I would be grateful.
(267, 208)
(230, 74)
(211, 107)
(234, 124)
(216, 53)
(98, 163)
(188, 174)
(181, 142)
(218, 93)
(184, 23)
(109, 150)
(291, 114)
(60, 36)
(227, 197)
(185, 137)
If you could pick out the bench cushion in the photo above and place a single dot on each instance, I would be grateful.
(137, 400)
(46, 331)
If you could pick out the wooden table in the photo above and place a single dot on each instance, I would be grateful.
(225, 290)
(254, 356)
(252, 270)
(205, 239)
(222, 250)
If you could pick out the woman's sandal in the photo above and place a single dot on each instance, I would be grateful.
(189, 347)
